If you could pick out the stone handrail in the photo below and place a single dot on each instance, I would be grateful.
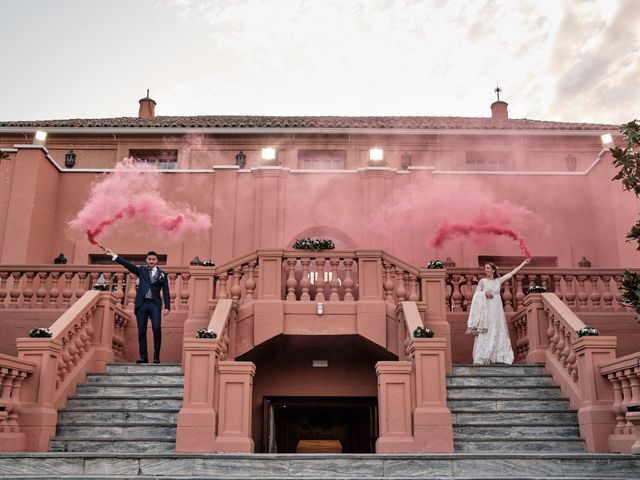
(13, 373)
(547, 334)
(82, 343)
(59, 286)
(623, 374)
(582, 289)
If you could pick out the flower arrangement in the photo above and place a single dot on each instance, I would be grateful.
(206, 333)
(40, 333)
(315, 244)
(208, 263)
(421, 332)
(587, 332)
(535, 289)
(435, 265)
(102, 287)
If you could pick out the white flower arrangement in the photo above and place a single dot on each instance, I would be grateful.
(587, 331)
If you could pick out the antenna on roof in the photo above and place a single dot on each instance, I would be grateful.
(497, 90)
(148, 94)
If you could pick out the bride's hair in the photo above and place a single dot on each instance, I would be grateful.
(494, 269)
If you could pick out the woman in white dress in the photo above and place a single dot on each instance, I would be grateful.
(487, 320)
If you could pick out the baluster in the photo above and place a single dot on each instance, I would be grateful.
(634, 381)
(557, 287)
(14, 293)
(607, 295)
(83, 278)
(3, 287)
(291, 279)
(456, 296)
(519, 293)
(572, 358)
(27, 292)
(54, 293)
(582, 292)
(618, 296)
(389, 284)
(401, 291)
(626, 400)
(507, 296)
(250, 284)
(222, 285)
(304, 281)
(41, 292)
(236, 291)
(7, 378)
(172, 278)
(334, 282)
(554, 341)
(563, 346)
(550, 330)
(320, 281)
(348, 280)
(132, 286)
(108, 277)
(595, 293)
(184, 290)
(621, 421)
(414, 294)
(16, 405)
(570, 296)
(545, 281)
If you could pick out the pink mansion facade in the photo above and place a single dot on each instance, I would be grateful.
(329, 330)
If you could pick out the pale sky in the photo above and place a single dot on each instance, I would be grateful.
(571, 60)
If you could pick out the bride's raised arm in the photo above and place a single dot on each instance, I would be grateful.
(515, 270)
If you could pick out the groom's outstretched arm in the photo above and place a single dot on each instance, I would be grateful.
(128, 265)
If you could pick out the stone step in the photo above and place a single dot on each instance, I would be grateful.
(499, 381)
(515, 418)
(490, 431)
(130, 445)
(124, 402)
(512, 466)
(507, 404)
(143, 368)
(72, 417)
(493, 392)
(524, 370)
(116, 431)
(528, 445)
(135, 379)
(191, 477)
(119, 390)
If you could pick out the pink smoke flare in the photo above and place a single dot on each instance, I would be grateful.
(448, 231)
(132, 192)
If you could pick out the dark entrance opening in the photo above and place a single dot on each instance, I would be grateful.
(316, 424)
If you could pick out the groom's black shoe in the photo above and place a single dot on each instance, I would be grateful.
(156, 360)
(143, 360)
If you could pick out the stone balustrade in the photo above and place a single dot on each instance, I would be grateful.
(60, 286)
(623, 375)
(13, 373)
(582, 289)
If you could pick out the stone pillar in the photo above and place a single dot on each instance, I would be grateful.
(432, 420)
(197, 420)
(371, 309)
(269, 305)
(235, 400)
(433, 290)
(201, 292)
(634, 418)
(39, 417)
(375, 201)
(268, 207)
(394, 408)
(102, 323)
(537, 325)
(595, 415)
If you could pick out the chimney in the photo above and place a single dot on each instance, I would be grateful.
(147, 107)
(498, 110)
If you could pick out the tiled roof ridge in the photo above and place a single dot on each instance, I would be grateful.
(310, 121)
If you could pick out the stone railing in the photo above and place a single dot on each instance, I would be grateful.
(82, 342)
(623, 375)
(13, 373)
(546, 333)
(60, 286)
(582, 289)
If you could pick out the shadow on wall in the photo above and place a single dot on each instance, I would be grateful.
(341, 240)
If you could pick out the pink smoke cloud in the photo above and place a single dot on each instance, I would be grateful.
(132, 192)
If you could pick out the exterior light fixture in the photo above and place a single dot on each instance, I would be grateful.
(70, 159)
(606, 139)
(572, 162)
(406, 160)
(268, 153)
(319, 308)
(40, 138)
(241, 159)
(376, 155)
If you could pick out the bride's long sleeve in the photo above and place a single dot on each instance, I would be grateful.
(477, 322)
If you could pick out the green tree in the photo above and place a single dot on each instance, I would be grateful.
(627, 160)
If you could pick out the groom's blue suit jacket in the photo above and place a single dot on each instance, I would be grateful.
(160, 282)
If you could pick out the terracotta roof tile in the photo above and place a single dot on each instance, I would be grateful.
(242, 121)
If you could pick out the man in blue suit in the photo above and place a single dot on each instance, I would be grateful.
(148, 303)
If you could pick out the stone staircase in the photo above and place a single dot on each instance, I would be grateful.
(130, 408)
(510, 408)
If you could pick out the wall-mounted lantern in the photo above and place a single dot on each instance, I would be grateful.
(406, 160)
(70, 159)
(572, 163)
(241, 159)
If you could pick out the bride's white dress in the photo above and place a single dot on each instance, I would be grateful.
(487, 318)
